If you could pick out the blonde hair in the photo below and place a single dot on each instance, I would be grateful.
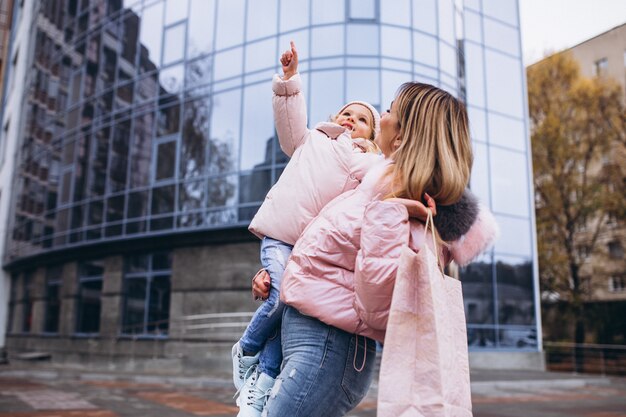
(435, 153)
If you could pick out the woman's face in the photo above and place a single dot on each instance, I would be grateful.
(388, 139)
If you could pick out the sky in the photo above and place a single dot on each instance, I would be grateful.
(554, 25)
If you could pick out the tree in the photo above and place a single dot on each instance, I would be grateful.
(577, 125)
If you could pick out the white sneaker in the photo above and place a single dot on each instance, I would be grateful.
(254, 394)
(241, 365)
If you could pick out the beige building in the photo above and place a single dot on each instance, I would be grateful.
(605, 56)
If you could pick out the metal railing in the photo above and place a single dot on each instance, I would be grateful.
(585, 358)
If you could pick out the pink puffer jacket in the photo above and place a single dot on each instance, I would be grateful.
(342, 269)
(324, 163)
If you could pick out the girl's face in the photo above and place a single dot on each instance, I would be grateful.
(357, 119)
(388, 139)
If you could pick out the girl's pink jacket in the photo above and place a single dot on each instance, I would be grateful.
(343, 267)
(324, 163)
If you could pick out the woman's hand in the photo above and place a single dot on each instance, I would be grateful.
(416, 208)
(289, 61)
(261, 285)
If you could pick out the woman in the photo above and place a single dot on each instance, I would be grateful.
(339, 280)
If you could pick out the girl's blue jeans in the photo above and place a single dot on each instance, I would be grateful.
(326, 372)
(263, 332)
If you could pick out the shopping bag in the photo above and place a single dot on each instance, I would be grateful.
(425, 368)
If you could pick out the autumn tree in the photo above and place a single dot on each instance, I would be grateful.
(577, 129)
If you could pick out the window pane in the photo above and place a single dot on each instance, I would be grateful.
(327, 41)
(195, 137)
(166, 161)
(515, 291)
(174, 43)
(478, 123)
(169, 120)
(265, 11)
(294, 14)
(224, 146)
(479, 181)
(448, 59)
(254, 186)
(394, 42)
(473, 28)
(425, 49)
(152, 31)
(474, 74)
(363, 85)
(89, 306)
(175, 10)
(258, 128)
(141, 150)
(222, 191)
(228, 64)
(327, 11)
(398, 13)
(446, 20)
(505, 10)
(391, 82)
(363, 40)
(326, 95)
(509, 172)
(134, 306)
(159, 305)
(230, 18)
(260, 55)
(362, 9)
(502, 37)
(504, 84)
(425, 15)
(507, 132)
(514, 236)
(200, 33)
(477, 279)
(163, 199)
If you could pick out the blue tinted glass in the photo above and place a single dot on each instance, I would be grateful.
(478, 297)
(258, 127)
(446, 20)
(175, 10)
(514, 236)
(201, 27)
(327, 11)
(516, 303)
(505, 10)
(398, 13)
(505, 131)
(171, 79)
(478, 123)
(363, 85)
(230, 18)
(362, 9)
(363, 40)
(294, 14)
(391, 81)
(394, 42)
(479, 180)
(174, 43)
(260, 55)
(225, 121)
(474, 75)
(425, 15)
(502, 37)
(262, 19)
(425, 49)
(473, 28)
(327, 41)
(152, 31)
(326, 95)
(228, 64)
(509, 172)
(504, 84)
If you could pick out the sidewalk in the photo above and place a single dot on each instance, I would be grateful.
(45, 391)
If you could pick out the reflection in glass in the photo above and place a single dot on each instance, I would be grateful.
(445, 12)
(478, 295)
(474, 75)
(168, 120)
(134, 305)
(141, 150)
(171, 79)
(230, 18)
(221, 191)
(224, 132)
(258, 127)
(473, 28)
(152, 31)
(478, 123)
(479, 181)
(165, 160)
(228, 64)
(195, 137)
(254, 186)
(509, 172)
(504, 84)
(515, 291)
(174, 43)
(391, 81)
(175, 10)
(448, 61)
(163, 199)
(363, 40)
(425, 15)
(264, 11)
(482, 337)
(201, 27)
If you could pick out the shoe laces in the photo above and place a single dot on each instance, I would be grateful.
(257, 397)
(252, 372)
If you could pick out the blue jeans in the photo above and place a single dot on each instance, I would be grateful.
(326, 373)
(263, 332)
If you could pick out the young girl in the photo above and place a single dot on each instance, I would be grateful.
(325, 162)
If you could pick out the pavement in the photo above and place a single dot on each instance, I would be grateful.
(46, 391)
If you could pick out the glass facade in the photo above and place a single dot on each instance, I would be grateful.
(152, 117)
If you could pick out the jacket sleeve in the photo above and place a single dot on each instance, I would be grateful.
(385, 231)
(289, 113)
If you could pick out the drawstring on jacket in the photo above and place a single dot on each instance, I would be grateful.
(356, 351)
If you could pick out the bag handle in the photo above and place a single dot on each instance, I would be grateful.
(431, 223)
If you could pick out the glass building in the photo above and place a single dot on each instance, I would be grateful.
(148, 144)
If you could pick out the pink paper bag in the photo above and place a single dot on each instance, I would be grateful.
(425, 367)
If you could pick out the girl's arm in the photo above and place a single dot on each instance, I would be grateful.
(385, 231)
(289, 105)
